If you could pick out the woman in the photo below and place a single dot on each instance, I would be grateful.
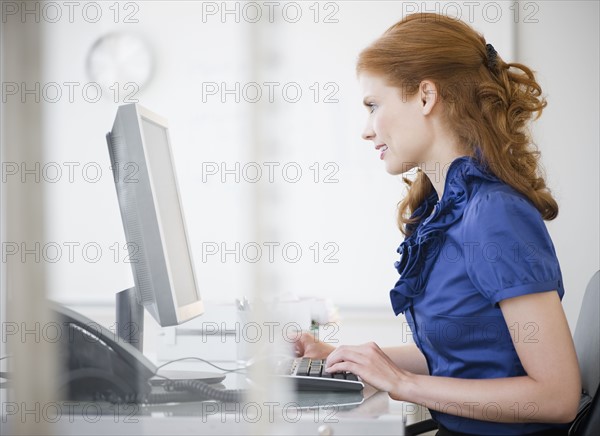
(480, 284)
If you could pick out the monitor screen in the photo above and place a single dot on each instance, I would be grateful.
(160, 166)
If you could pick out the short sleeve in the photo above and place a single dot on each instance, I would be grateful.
(507, 249)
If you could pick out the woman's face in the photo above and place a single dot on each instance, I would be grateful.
(396, 124)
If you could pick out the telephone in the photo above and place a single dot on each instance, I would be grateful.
(95, 363)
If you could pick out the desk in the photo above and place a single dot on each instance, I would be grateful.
(371, 412)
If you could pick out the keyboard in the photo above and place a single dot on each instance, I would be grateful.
(309, 375)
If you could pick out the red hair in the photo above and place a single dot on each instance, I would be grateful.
(486, 107)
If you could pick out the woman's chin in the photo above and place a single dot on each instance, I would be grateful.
(394, 168)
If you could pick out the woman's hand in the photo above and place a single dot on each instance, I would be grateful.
(309, 346)
(373, 366)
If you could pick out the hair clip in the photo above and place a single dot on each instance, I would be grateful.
(491, 56)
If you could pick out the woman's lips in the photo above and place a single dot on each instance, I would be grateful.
(382, 148)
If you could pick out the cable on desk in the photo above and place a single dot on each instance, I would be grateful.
(177, 391)
(180, 396)
(202, 360)
(199, 387)
(173, 397)
(188, 390)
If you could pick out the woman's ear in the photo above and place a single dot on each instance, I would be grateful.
(428, 95)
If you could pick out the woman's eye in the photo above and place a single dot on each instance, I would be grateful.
(371, 107)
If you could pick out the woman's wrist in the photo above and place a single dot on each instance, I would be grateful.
(405, 383)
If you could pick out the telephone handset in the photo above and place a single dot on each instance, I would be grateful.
(95, 363)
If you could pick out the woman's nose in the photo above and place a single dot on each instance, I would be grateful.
(368, 133)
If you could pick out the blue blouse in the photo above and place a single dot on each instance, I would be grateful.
(483, 243)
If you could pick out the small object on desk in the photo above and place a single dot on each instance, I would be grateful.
(242, 304)
(243, 317)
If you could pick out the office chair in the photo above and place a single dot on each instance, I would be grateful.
(587, 347)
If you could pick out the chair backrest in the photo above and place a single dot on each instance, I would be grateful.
(587, 337)
(587, 346)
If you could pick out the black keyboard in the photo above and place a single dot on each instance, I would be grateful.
(309, 375)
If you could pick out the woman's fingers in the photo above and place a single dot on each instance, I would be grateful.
(299, 348)
(343, 353)
(309, 346)
(345, 366)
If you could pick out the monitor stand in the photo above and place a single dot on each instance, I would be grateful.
(130, 318)
(130, 329)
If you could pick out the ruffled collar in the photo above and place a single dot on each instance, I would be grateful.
(420, 250)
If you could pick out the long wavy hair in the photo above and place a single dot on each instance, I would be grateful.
(487, 106)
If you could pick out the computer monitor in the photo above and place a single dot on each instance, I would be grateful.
(153, 220)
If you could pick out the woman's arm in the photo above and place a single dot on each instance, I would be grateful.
(408, 357)
(549, 392)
